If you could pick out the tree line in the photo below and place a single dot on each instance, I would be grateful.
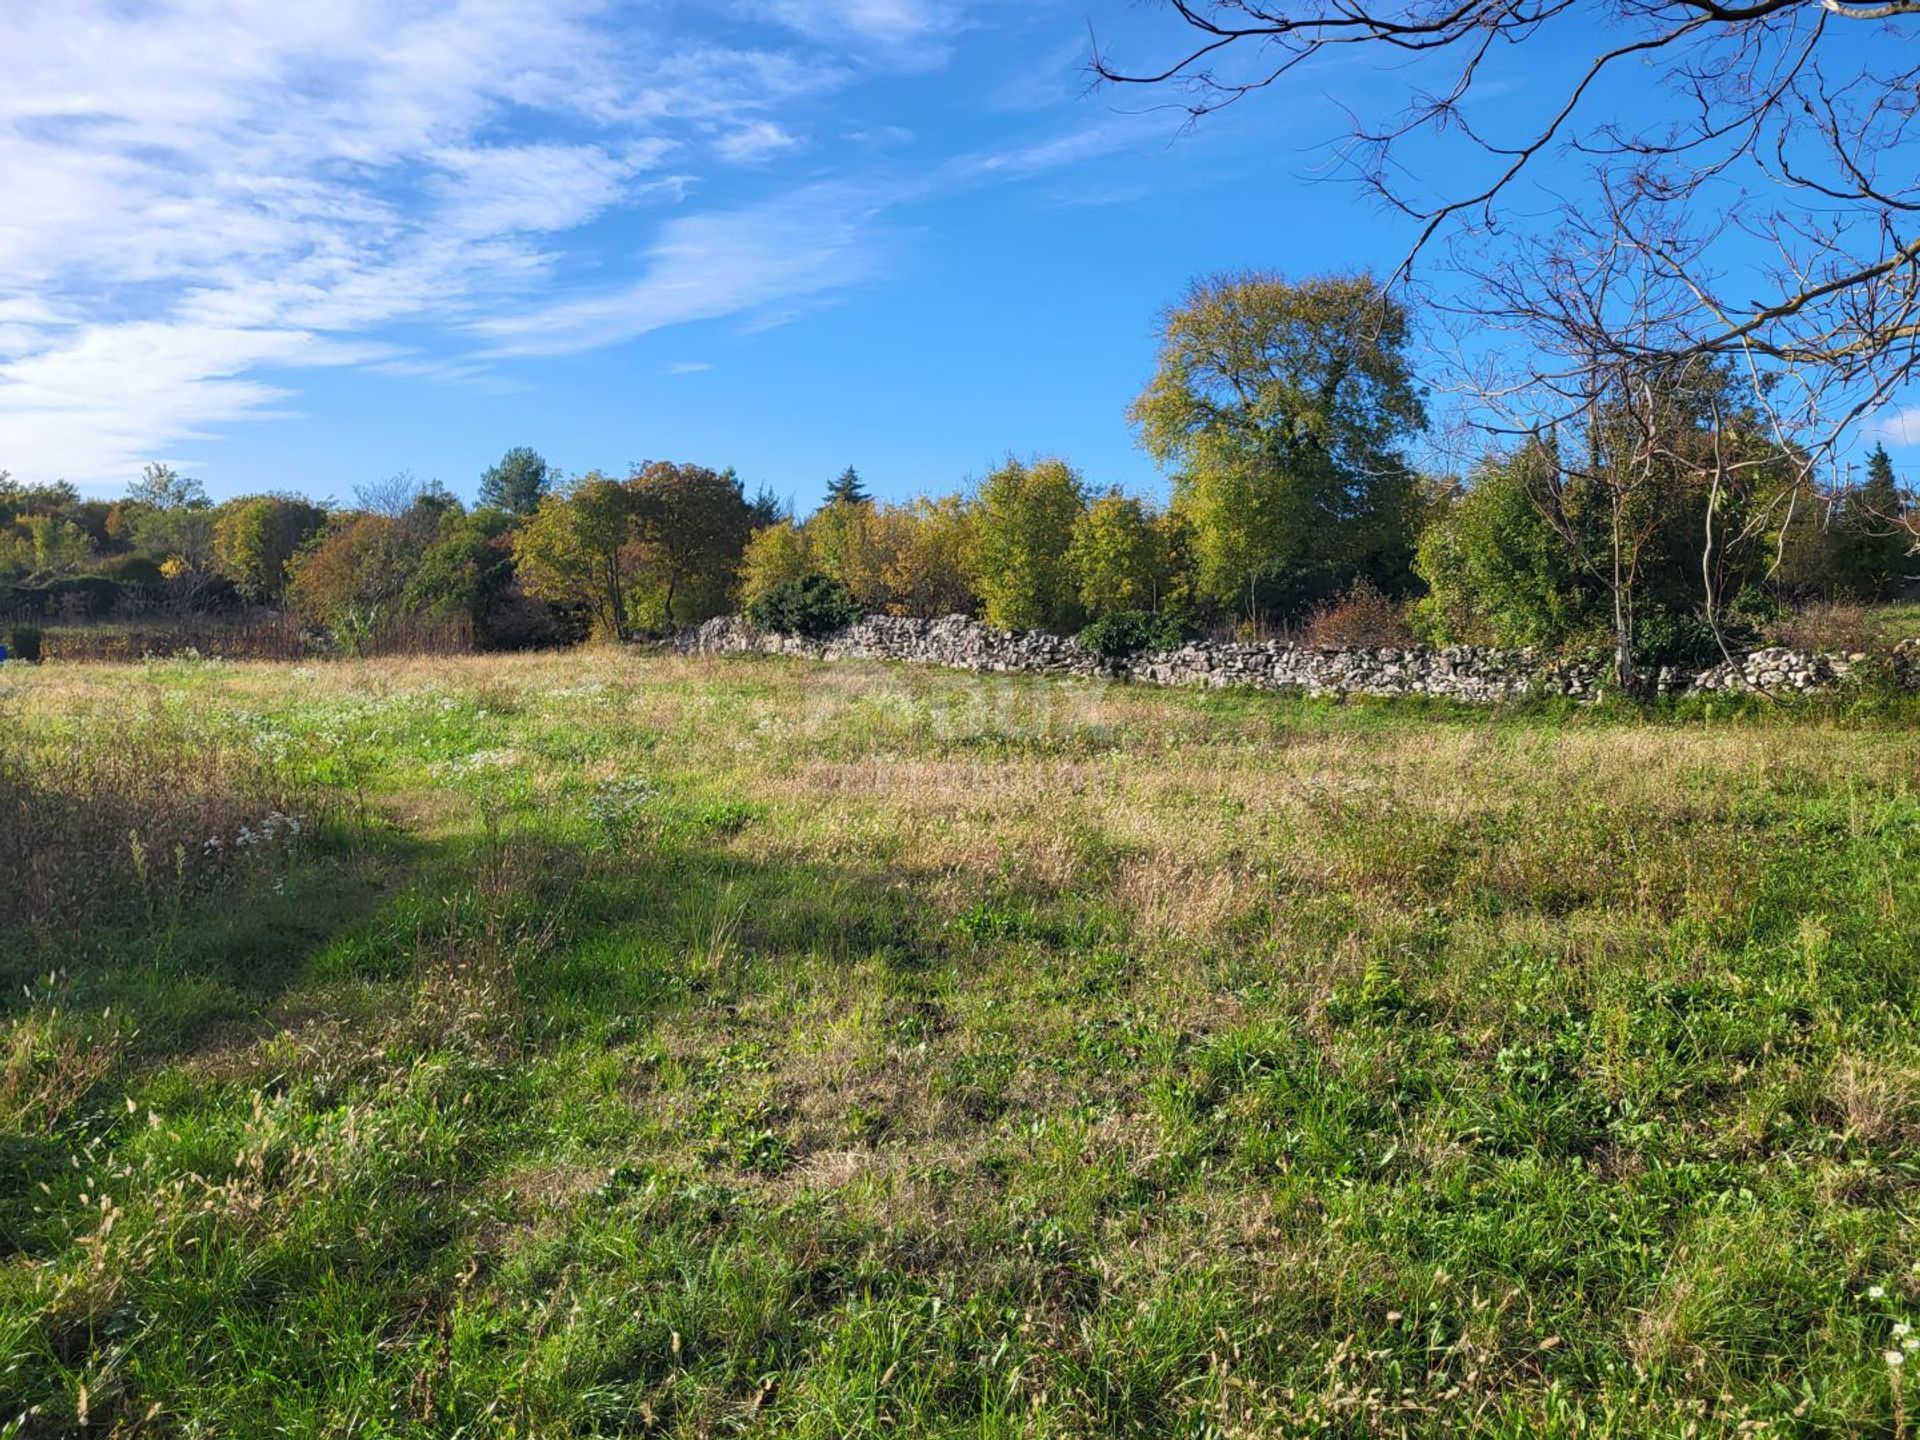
(1667, 522)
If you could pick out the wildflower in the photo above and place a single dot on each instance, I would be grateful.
(618, 805)
(1895, 1359)
(1876, 1292)
(1910, 1344)
(1901, 1327)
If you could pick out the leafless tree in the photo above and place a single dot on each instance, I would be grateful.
(1744, 200)
(1572, 340)
(1769, 184)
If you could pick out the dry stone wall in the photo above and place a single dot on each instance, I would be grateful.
(1457, 672)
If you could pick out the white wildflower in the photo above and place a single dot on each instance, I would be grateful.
(1895, 1358)
(617, 805)
(1876, 1292)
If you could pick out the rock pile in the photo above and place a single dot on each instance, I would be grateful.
(1455, 672)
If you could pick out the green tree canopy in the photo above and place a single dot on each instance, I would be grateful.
(1115, 556)
(576, 550)
(929, 555)
(254, 538)
(1495, 570)
(846, 542)
(353, 575)
(692, 525)
(1870, 547)
(1024, 525)
(169, 517)
(161, 487)
(1282, 408)
(517, 482)
(847, 489)
(775, 555)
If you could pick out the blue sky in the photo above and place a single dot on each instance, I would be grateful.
(302, 248)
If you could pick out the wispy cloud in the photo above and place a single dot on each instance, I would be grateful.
(701, 267)
(206, 196)
(227, 186)
(755, 143)
(1899, 427)
(1057, 152)
(689, 367)
(914, 31)
(108, 395)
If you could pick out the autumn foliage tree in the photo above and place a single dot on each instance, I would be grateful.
(1024, 525)
(574, 551)
(1115, 556)
(257, 537)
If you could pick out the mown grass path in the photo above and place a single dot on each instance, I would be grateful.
(608, 1044)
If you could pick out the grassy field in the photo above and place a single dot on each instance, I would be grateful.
(611, 1044)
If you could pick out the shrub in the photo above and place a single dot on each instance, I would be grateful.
(1127, 632)
(83, 597)
(23, 642)
(1825, 626)
(811, 605)
(1363, 616)
(136, 570)
(1496, 573)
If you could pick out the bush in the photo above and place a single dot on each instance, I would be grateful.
(812, 606)
(1127, 632)
(1496, 573)
(1363, 616)
(23, 643)
(1825, 627)
(135, 570)
(88, 597)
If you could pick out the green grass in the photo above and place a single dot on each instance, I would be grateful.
(628, 1045)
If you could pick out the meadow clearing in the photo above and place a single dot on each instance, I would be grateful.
(609, 1043)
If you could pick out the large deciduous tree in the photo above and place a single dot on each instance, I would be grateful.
(575, 551)
(691, 525)
(169, 517)
(1282, 409)
(845, 541)
(775, 555)
(353, 576)
(930, 550)
(1115, 556)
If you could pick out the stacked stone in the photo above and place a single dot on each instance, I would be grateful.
(1458, 672)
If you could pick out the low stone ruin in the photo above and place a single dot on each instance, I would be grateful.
(1453, 672)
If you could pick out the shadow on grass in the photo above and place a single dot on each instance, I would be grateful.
(265, 1188)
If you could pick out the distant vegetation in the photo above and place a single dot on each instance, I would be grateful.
(1286, 415)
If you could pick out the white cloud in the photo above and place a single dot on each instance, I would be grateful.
(706, 266)
(225, 185)
(1058, 152)
(498, 190)
(911, 32)
(752, 144)
(689, 367)
(101, 400)
(1894, 427)
(205, 196)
